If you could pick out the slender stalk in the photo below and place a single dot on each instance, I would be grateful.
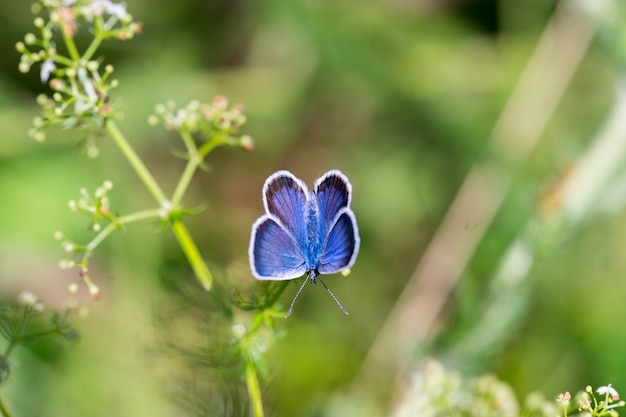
(199, 266)
(188, 141)
(71, 47)
(193, 255)
(140, 215)
(192, 165)
(60, 59)
(196, 156)
(210, 145)
(180, 231)
(141, 170)
(101, 236)
(3, 409)
(93, 47)
(254, 390)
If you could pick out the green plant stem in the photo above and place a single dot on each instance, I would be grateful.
(199, 266)
(192, 165)
(192, 253)
(71, 47)
(140, 215)
(135, 162)
(93, 47)
(210, 145)
(60, 59)
(180, 231)
(254, 390)
(3, 409)
(101, 236)
(188, 141)
(196, 157)
(130, 218)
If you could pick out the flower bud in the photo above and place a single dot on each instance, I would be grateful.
(30, 39)
(57, 84)
(37, 135)
(92, 150)
(42, 99)
(66, 264)
(94, 291)
(23, 67)
(247, 143)
(27, 298)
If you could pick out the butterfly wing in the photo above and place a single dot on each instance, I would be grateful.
(338, 223)
(341, 245)
(278, 236)
(334, 192)
(274, 253)
(285, 197)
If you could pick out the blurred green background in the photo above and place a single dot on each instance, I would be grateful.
(401, 96)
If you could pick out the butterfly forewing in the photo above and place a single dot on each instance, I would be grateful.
(285, 197)
(333, 193)
(274, 254)
(342, 244)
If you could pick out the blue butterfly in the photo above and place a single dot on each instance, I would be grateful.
(304, 232)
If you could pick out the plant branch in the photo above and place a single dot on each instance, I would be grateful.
(130, 218)
(93, 47)
(193, 255)
(254, 390)
(139, 167)
(196, 157)
(192, 165)
(3, 409)
(198, 265)
(71, 46)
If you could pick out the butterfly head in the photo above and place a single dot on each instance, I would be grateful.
(313, 274)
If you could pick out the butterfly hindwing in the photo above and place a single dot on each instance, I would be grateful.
(274, 253)
(341, 245)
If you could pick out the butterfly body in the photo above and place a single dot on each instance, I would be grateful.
(302, 231)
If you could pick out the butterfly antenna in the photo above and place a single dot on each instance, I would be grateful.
(294, 298)
(331, 294)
